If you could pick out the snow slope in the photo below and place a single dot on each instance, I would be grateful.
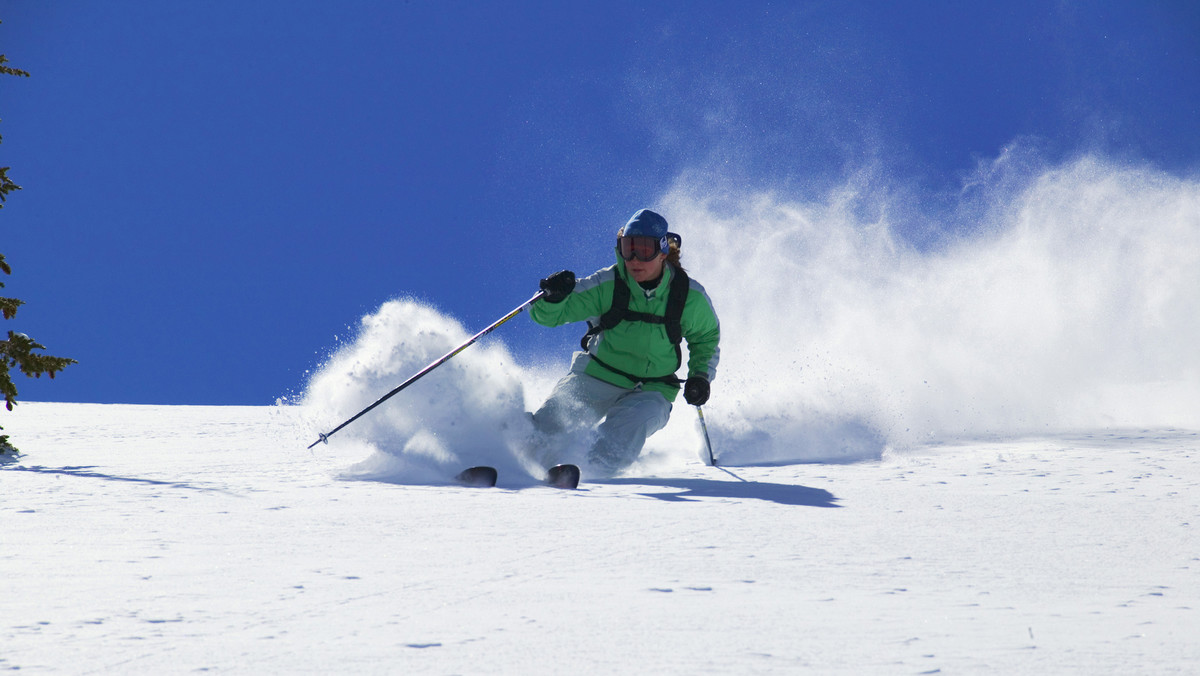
(140, 539)
(1006, 421)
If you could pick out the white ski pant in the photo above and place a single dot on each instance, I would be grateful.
(627, 418)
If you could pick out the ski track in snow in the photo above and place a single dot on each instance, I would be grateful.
(181, 539)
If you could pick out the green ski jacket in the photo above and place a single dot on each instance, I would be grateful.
(636, 347)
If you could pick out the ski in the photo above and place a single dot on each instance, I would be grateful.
(559, 476)
(477, 477)
(563, 476)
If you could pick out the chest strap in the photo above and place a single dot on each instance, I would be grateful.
(619, 311)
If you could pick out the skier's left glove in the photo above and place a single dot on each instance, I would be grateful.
(695, 390)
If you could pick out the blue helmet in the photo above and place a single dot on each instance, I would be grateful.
(646, 223)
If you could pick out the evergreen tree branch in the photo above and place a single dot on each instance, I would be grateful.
(18, 349)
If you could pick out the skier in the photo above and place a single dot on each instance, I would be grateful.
(638, 312)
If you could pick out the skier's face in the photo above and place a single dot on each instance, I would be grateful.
(645, 271)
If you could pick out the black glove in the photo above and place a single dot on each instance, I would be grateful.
(695, 390)
(558, 286)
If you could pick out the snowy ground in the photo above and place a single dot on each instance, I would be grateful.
(182, 539)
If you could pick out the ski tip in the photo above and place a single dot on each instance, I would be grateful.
(477, 477)
(563, 476)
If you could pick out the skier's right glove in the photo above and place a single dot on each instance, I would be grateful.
(558, 286)
(695, 391)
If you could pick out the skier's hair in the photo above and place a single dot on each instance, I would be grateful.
(673, 257)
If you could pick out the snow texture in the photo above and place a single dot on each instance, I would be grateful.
(175, 539)
(981, 454)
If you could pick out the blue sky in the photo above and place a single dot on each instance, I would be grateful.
(215, 192)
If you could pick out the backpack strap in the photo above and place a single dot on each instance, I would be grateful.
(672, 320)
(676, 299)
(616, 312)
(671, 379)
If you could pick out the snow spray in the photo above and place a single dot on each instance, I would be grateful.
(1055, 300)
(1071, 300)
(470, 411)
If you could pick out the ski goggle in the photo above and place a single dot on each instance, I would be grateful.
(642, 247)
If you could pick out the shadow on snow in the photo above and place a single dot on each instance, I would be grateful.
(85, 471)
(693, 489)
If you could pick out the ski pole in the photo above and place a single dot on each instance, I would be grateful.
(707, 442)
(516, 311)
